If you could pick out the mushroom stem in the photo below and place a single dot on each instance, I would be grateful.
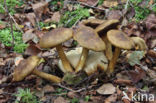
(47, 76)
(82, 60)
(113, 60)
(108, 51)
(63, 58)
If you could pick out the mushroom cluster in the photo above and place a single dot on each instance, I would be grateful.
(101, 42)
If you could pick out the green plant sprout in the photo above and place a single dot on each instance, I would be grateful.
(6, 39)
(25, 96)
(71, 17)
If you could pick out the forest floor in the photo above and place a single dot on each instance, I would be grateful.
(24, 22)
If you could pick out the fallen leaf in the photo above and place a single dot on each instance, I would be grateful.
(56, 17)
(72, 95)
(28, 35)
(32, 18)
(40, 8)
(114, 14)
(32, 49)
(111, 98)
(90, 2)
(123, 82)
(110, 3)
(152, 53)
(48, 89)
(137, 74)
(106, 89)
(150, 21)
(60, 100)
(135, 57)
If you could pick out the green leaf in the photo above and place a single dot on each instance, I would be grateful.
(135, 57)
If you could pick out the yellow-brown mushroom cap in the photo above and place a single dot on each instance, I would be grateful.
(92, 22)
(89, 39)
(120, 39)
(55, 37)
(107, 25)
(25, 68)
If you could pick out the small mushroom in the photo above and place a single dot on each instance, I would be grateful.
(55, 38)
(88, 39)
(121, 41)
(94, 62)
(92, 22)
(105, 26)
(27, 67)
(102, 30)
(139, 43)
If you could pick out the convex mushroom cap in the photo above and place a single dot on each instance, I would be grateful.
(139, 43)
(25, 68)
(120, 39)
(109, 24)
(92, 22)
(89, 39)
(55, 37)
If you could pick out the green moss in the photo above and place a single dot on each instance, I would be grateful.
(71, 17)
(11, 4)
(54, 5)
(6, 39)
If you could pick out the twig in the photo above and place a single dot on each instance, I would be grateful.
(13, 39)
(79, 90)
(12, 18)
(81, 3)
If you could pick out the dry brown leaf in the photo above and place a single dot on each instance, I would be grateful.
(106, 89)
(137, 74)
(110, 3)
(150, 21)
(31, 18)
(111, 98)
(90, 2)
(56, 17)
(114, 14)
(28, 35)
(40, 8)
(32, 49)
(123, 81)
(48, 89)
(60, 100)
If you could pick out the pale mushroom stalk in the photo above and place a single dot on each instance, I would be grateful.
(82, 59)
(108, 51)
(64, 59)
(89, 40)
(121, 41)
(47, 76)
(113, 61)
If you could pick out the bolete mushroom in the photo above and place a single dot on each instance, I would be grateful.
(102, 30)
(94, 62)
(55, 38)
(121, 41)
(88, 39)
(27, 67)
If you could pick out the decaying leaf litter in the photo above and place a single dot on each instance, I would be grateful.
(110, 51)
